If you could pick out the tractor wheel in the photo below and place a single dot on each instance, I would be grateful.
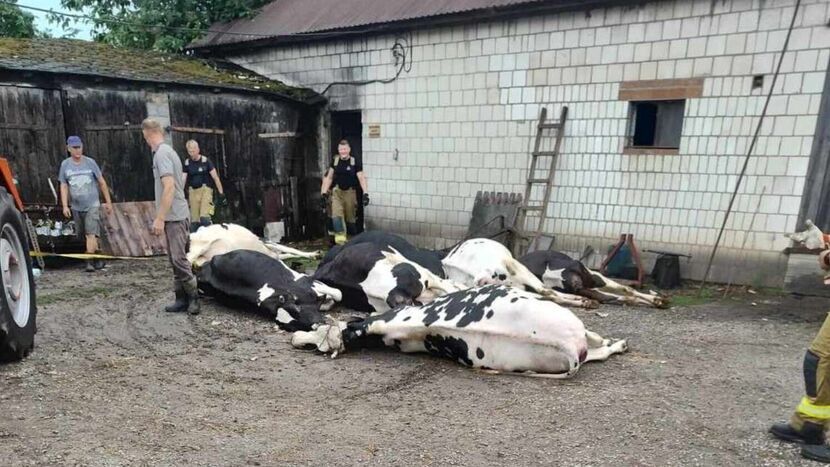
(18, 311)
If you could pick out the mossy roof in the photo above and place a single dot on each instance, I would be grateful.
(97, 59)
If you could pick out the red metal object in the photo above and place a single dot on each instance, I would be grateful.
(626, 239)
(8, 182)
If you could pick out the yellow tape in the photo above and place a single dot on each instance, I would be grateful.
(85, 256)
(818, 412)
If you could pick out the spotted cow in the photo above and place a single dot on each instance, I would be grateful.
(251, 280)
(565, 274)
(494, 327)
(373, 279)
(429, 259)
(218, 239)
(482, 261)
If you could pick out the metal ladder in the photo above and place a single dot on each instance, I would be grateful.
(35, 245)
(527, 236)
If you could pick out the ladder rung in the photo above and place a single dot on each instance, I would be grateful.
(537, 180)
(532, 208)
(549, 125)
(544, 153)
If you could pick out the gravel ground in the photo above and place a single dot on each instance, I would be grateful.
(113, 380)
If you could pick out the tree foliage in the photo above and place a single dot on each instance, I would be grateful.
(164, 25)
(15, 22)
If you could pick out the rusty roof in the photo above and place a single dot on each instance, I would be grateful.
(69, 56)
(295, 18)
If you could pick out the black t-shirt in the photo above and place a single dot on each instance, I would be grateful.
(198, 172)
(345, 172)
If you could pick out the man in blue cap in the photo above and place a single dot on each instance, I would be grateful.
(80, 179)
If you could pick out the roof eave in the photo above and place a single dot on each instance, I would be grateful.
(487, 14)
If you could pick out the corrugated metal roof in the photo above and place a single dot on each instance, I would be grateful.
(287, 17)
(97, 59)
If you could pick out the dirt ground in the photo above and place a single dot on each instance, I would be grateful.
(114, 380)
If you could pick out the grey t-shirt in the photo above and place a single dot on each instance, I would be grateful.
(166, 163)
(82, 179)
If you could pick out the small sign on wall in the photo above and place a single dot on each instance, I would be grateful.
(374, 131)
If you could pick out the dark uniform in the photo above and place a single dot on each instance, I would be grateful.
(200, 191)
(344, 197)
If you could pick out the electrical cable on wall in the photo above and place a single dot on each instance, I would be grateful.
(751, 146)
(402, 61)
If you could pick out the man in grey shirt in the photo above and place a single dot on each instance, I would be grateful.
(80, 178)
(172, 216)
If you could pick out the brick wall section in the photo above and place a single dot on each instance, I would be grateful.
(463, 118)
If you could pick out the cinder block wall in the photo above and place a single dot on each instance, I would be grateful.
(462, 120)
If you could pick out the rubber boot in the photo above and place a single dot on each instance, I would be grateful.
(89, 266)
(785, 432)
(99, 263)
(204, 221)
(192, 293)
(814, 447)
(194, 226)
(181, 303)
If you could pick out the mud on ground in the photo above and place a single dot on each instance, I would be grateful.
(114, 381)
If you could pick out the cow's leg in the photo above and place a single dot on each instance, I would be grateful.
(567, 299)
(288, 252)
(326, 338)
(610, 286)
(595, 340)
(602, 353)
(602, 297)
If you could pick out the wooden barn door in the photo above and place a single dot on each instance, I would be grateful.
(32, 139)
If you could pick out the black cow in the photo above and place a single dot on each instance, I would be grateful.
(565, 274)
(376, 278)
(249, 279)
(495, 327)
(429, 259)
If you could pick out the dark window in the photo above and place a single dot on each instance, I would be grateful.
(656, 124)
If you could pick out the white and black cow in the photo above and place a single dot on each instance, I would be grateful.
(218, 239)
(482, 261)
(428, 259)
(252, 280)
(495, 327)
(374, 280)
(565, 274)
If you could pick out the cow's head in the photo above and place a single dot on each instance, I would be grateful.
(415, 285)
(290, 315)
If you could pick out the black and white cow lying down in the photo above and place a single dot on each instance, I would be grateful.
(428, 259)
(251, 280)
(375, 279)
(494, 327)
(562, 273)
(481, 261)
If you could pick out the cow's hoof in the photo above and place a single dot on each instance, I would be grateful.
(620, 346)
(590, 304)
(661, 302)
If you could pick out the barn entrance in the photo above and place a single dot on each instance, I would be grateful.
(348, 125)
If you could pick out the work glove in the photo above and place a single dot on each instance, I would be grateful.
(222, 200)
(324, 200)
(365, 199)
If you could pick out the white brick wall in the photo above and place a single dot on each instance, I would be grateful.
(463, 118)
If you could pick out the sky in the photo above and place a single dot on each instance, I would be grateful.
(42, 20)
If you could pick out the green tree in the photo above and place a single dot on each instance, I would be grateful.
(15, 22)
(164, 25)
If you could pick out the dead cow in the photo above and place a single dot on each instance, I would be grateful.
(218, 239)
(375, 278)
(564, 274)
(495, 327)
(482, 261)
(251, 280)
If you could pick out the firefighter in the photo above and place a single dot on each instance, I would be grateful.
(343, 177)
(812, 415)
